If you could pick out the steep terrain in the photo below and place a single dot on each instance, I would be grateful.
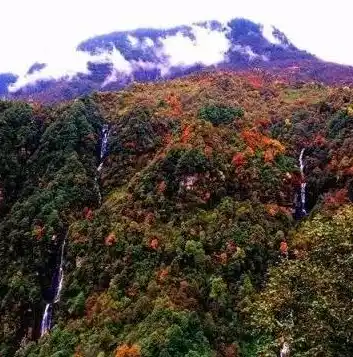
(173, 200)
(112, 61)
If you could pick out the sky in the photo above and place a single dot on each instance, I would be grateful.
(49, 30)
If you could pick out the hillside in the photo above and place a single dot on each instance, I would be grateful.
(163, 208)
(113, 61)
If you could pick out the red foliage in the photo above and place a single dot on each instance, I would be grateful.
(167, 138)
(230, 350)
(154, 244)
(206, 196)
(110, 239)
(231, 247)
(239, 159)
(319, 140)
(161, 186)
(223, 258)
(283, 247)
(336, 198)
(150, 218)
(130, 145)
(88, 214)
(255, 81)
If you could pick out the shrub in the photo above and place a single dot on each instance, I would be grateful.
(220, 114)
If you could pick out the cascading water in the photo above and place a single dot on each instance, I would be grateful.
(303, 183)
(57, 286)
(46, 320)
(61, 273)
(105, 135)
(103, 151)
(58, 282)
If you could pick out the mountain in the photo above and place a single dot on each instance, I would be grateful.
(113, 61)
(209, 215)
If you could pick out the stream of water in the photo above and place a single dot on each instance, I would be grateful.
(59, 277)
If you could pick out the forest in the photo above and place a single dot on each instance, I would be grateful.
(205, 216)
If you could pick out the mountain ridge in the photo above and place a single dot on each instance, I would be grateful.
(114, 60)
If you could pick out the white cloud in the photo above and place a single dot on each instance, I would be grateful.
(247, 50)
(32, 29)
(47, 31)
(148, 42)
(208, 47)
(133, 40)
(71, 64)
(267, 32)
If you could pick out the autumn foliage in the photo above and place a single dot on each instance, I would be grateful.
(128, 351)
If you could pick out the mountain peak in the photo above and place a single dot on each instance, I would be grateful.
(113, 60)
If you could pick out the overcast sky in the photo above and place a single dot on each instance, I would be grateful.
(38, 30)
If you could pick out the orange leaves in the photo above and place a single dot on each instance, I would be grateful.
(110, 239)
(128, 351)
(186, 134)
(162, 274)
(269, 155)
(256, 140)
(238, 159)
(283, 247)
(99, 307)
(175, 104)
(38, 232)
(273, 209)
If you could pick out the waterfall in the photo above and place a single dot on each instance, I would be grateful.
(57, 286)
(58, 283)
(61, 273)
(46, 320)
(103, 152)
(105, 135)
(303, 183)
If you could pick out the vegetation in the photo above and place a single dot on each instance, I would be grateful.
(181, 258)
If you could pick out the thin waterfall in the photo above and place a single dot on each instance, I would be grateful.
(303, 183)
(46, 320)
(57, 287)
(103, 152)
(58, 283)
(105, 135)
(61, 273)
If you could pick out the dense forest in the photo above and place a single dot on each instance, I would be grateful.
(208, 216)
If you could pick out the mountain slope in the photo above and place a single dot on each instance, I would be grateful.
(172, 246)
(114, 60)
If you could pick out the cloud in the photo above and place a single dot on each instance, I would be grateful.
(208, 47)
(70, 64)
(267, 32)
(133, 40)
(247, 50)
